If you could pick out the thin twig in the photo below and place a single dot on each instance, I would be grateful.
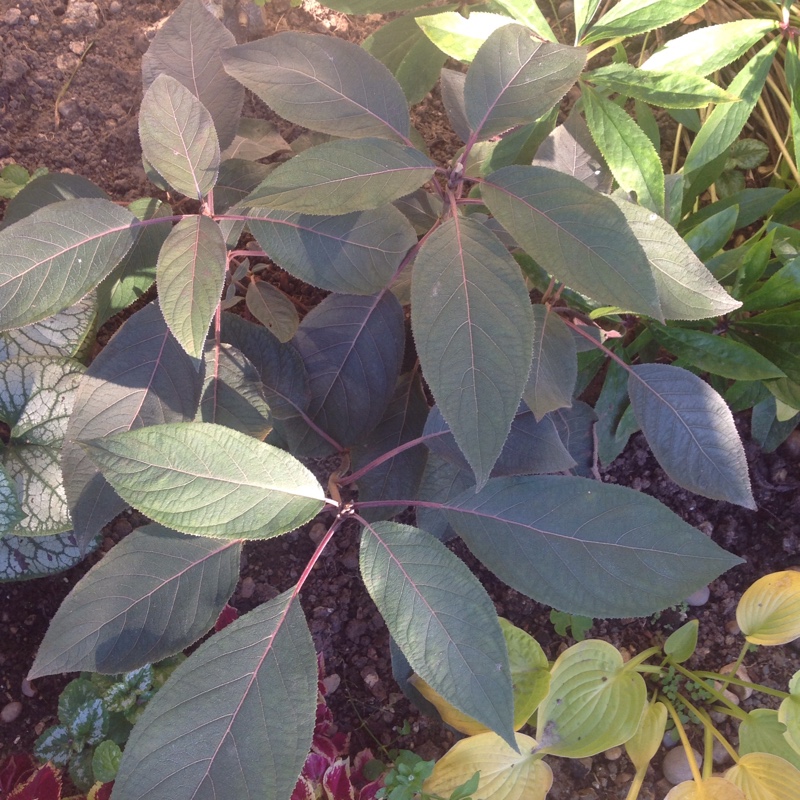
(68, 82)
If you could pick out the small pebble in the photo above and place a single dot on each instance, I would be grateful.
(331, 683)
(33, 19)
(732, 626)
(565, 9)
(613, 754)
(675, 765)
(247, 588)
(12, 16)
(699, 598)
(114, 7)
(317, 532)
(28, 689)
(671, 738)
(11, 711)
(720, 754)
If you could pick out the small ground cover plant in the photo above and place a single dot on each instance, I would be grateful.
(200, 419)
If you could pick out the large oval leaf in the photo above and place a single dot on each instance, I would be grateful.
(769, 610)
(208, 480)
(585, 547)
(352, 347)
(178, 137)
(691, 432)
(353, 253)
(763, 776)
(575, 233)
(594, 703)
(515, 78)
(234, 719)
(343, 176)
(191, 272)
(319, 82)
(52, 258)
(442, 620)
(473, 328)
(153, 595)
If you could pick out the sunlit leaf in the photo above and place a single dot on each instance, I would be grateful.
(762, 732)
(644, 744)
(273, 309)
(789, 714)
(764, 776)
(629, 17)
(769, 610)
(713, 788)
(459, 36)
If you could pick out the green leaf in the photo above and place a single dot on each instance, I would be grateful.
(615, 419)
(441, 481)
(686, 289)
(141, 377)
(232, 393)
(26, 557)
(237, 178)
(154, 594)
(452, 88)
(779, 324)
(716, 354)
(554, 369)
(708, 238)
(318, 81)
(706, 50)
(208, 480)
(529, 14)
(398, 477)
(178, 137)
(585, 547)
(577, 234)
(273, 309)
(459, 36)
(473, 328)
(105, 761)
(725, 123)
(354, 253)
(343, 176)
(576, 427)
(630, 155)
(442, 619)
(188, 48)
(630, 17)
(243, 701)
(762, 732)
(374, 6)
(664, 89)
(682, 643)
(584, 11)
(411, 57)
(516, 78)
(10, 508)
(255, 139)
(691, 432)
(766, 428)
(54, 745)
(594, 703)
(52, 258)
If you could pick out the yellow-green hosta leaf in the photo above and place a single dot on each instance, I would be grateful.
(682, 643)
(447, 711)
(459, 36)
(763, 776)
(789, 714)
(763, 732)
(708, 789)
(769, 611)
(208, 480)
(644, 744)
(505, 775)
(594, 702)
(530, 671)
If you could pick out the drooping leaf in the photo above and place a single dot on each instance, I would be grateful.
(208, 480)
(585, 547)
(706, 50)
(354, 253)
(352, 347)
(178, 137)
(442, 620)
(188, 48)
(255, 139)
(762, 732)
(152, 596)
(235, 718)
(629, 17)
(763, 776)
(769, 610)
(398, 477)
(141, 377)
(630, 155)
(459, 36)
(505, 774)
(516, 78)
(576, 427)
(452, 87)
(273, 309)
(644, 744)
(691, 432)
(190, 274)
(26, 557)
(686, 289)
(343, 176)
(52, 258)
(232, 393)
(473, 328)
(318, 82)
(578, 235)
(594, 702)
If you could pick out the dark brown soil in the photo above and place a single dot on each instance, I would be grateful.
(96, 136)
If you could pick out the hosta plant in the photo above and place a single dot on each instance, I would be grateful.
(590, 700)
(200, 418)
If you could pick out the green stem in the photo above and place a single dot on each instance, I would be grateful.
(778, 139)
(610, 43)
(684, 740)
(730, 708)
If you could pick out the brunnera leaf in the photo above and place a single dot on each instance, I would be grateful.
(691, 432)
(442, 620)
(473, 327)
(178, 137)
(52, 258)
(235, 719)
(585, 547)
(153, 595)
(320, 82)
(208, 480)
(343, 176)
